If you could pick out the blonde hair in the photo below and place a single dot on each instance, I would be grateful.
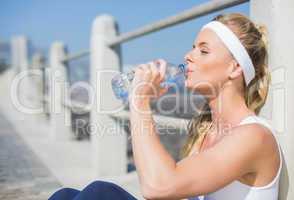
(253, 37)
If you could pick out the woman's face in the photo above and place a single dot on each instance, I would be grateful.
(208, 63)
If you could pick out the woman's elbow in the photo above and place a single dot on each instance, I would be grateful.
(156, 191)
(148, 193)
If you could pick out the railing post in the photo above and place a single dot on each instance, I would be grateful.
(19, 53)
(107, 137)
(15, 54)
(37, 81)
(60, 116)
(23, 53)
(21, 60)
(279, 108)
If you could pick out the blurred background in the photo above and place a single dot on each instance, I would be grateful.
(42, 149)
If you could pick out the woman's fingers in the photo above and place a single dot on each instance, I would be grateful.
(148, 78)
(162, 91)
(162, 67)
(142, 72)
(139, 70)
(155, 73)
(147, 72)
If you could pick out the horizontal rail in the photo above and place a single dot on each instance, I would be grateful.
(43, 67)
(72, 105)
(75, 56)
(161, 120)
(77, 106)
(187, 15)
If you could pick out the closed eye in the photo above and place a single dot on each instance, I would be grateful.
(203, 52)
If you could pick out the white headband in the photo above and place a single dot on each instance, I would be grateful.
(235, 47)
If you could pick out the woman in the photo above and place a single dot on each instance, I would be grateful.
(231, 153)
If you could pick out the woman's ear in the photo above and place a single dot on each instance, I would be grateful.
(235, 70)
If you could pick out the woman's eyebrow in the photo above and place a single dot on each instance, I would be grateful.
(200, 44)
(203, 44)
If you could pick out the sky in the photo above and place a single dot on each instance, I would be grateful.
(44, 22)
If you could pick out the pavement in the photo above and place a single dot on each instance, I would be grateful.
(22, 173)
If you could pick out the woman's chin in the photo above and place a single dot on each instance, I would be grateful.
(188, 85)
(191, 86)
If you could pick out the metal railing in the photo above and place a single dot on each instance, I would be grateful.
(76, 55)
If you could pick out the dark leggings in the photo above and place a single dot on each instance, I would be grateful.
(97, 190)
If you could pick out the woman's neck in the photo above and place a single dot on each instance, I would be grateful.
(228, 108)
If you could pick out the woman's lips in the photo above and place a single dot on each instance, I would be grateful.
(187, 74)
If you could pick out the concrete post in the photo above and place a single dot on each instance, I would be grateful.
(23, 53)
(37, 81)
(60, 116)
(15, 54)
(107, 137)
(279, 108)
(21, 61)
(19, 53)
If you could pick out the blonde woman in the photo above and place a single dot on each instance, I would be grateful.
(231, 152)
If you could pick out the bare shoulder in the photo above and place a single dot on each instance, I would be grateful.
(264, 148)
(258, 137)
(254, 131)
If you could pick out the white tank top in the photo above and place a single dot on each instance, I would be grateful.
(240, 191)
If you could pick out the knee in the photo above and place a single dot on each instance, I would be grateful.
(103, 186)
(64, 194)
(105, 190)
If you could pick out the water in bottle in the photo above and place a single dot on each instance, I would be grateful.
(174, 77)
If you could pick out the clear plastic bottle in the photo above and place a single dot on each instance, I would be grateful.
(174, 76)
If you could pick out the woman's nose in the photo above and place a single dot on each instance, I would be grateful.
(187, 57)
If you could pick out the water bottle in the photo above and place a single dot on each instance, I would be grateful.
(174, 77)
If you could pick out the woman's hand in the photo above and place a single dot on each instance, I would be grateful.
(146, 83)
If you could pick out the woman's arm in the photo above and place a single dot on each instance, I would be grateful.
(153, 162)
(160, 176)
